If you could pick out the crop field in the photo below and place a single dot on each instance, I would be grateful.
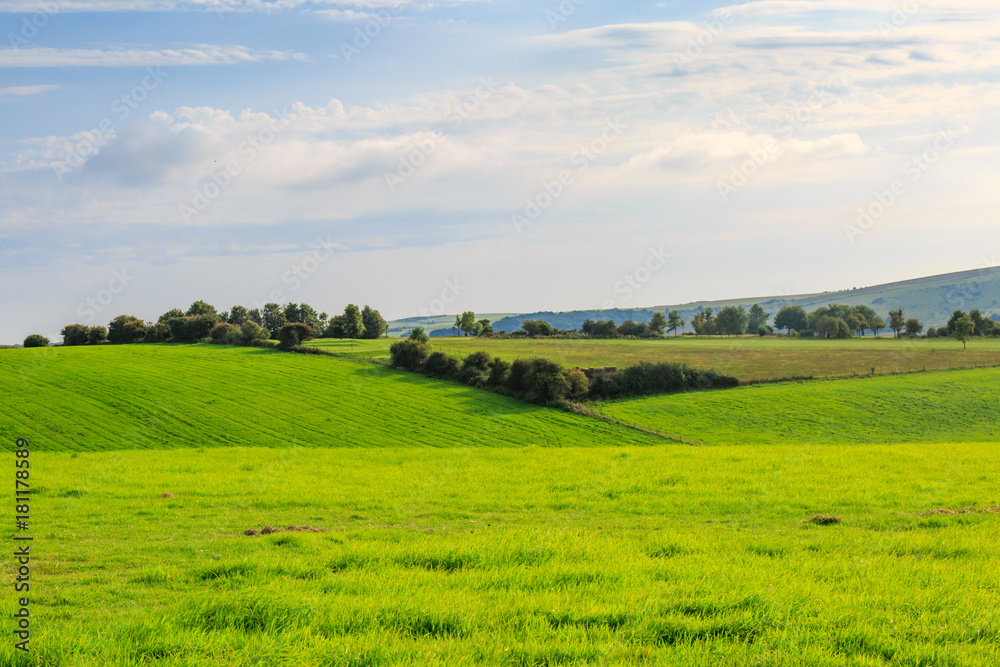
(746, 358)
(940, 406)
(534, 556)
(443, 525)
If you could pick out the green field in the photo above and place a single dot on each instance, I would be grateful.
(464, 528)
(166, 396)
(747, 358)
(941, 406)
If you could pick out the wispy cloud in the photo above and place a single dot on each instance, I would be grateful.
(68, 6)
(200, 54)
(24, 91)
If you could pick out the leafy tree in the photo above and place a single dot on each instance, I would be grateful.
(200, 308)
(418, 335)
(832, 327)
(537, 328)
(352, 322)
(36, 340)
(485, 327)
(157, 333)
(254, 316)
(710, 325)
(633, 329)
(964, 326)
(126, 329)
(977, 322)
(238, 315)
(896, 320)
(674, 322)
(466, 323)
(223, 332)
(732, 321)
(764, 330)
(875, 324)
(193, 328)
(588, 326)
(74, 334)
(375, 326)
(857, 323)
(658, 323)
(273, 318)
(303, 313)
(913, 327)
(293, 334)
(251, 332)
(605, 329)
(97, 335)
(171, 314)
(409, 354)
(932, 332)
(758, 317)
(791, 318)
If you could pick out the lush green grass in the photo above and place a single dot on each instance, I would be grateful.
(160, 396)
(667, 555)
(942, 406)
(745, 358)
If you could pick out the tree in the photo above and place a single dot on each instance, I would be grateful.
(964, 326)
(675, 322)
(913, 327)
(97, 335)
(467, 324)
(537, 328)
(126, 329)
(896, 321)
(875, 324)
(857, 323)
(254, 316)
(832, 327)
(200, 308)
(36, 340)
(732, 321)
(791, 318)
(193, 328)
(238, 315)
(251, 332)
(375, 326)
(588, 326)
(293, 334)
(353, 324)
(272, 318)
(171, 314)
(303, 313)
(634, 329)
(74, 334)
(955, 317)
(758, 317)
(658, 323)
(710, 325)
(977, 322)
(418, 335)
(485, 327)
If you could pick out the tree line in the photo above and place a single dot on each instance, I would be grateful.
(237, 326)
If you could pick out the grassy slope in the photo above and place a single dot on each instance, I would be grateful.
(161, 396)
(745, 358)
(614, 556)
(945, 406)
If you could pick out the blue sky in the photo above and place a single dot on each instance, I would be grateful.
(512, 156)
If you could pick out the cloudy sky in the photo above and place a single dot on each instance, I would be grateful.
(498, 156)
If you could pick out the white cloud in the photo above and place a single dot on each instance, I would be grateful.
(200, 54)
(24, 91)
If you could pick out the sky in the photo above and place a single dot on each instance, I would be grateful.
(495, 156)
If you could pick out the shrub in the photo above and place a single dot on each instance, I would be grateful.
(97, 335)
(126, 329)
(157, 333)
(226, 334)
(252, 333)
(408, 354)
(579, 385)
(294, 334)
(498, 372)
(36, 340)
(418, 335)
(440, 365)
(475, 369)
(193, 328)
(74, 334)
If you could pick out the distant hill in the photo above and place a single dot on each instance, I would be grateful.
(932, 300)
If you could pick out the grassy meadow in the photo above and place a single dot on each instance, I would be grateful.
(459, 527)
(534, 556)
(747, 358)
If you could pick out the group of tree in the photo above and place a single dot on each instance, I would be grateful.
(839, 321)
(962, 326)
(237, 326)
(731, 321)
(470, 326)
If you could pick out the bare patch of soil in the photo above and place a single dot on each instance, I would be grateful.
(268, 530)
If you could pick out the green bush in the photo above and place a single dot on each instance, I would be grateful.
(440, 365)
(36, 340)
(74, 334)
(294, 334)
(97, 335)
(408, 354)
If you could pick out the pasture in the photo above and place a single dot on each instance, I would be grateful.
(747, 358)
